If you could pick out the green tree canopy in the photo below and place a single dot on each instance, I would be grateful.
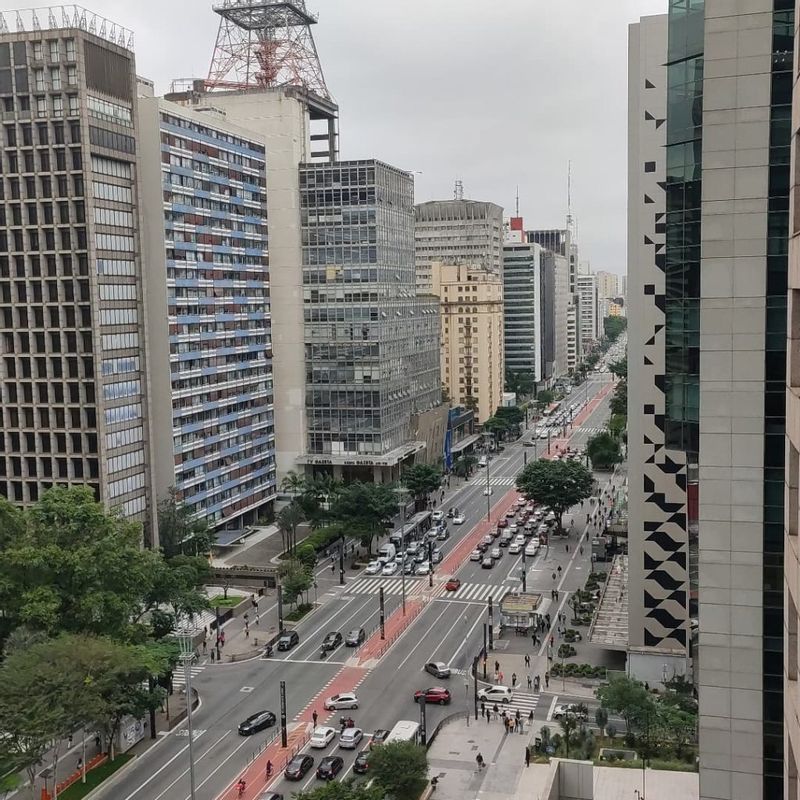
(497, 426)
(559, 485)
(520, 382)
(628, 698)
(343, 790)
(400, 768)
(178, 532)
(288, 520)
(513, 415)
(619, 399)
(544, 399)
(620, 368)
(604, 451)
(364, 509)
(421, 480)
(464, 465)
(613, 327)
(296, 578)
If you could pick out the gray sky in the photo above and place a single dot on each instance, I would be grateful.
(493, 92)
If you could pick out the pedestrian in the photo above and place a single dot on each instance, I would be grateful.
(479, 761)
(79, 766)
(501, 677)
(527, 756)
(246, 632)
(547, 680)
(495, 709)
(205, 646)
(530, 717)
(537, 682)
(530, 683)
(222, 639)
(551, 640)
(483, 709)
(97, 742)
(212, 655)
(527, 660)
(333, 568)
(497, 666)
(246, 618)
(547, 617)
(256, 617)
(314, 717)
(513, 680)
(567, 546)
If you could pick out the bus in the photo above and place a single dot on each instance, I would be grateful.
(404, 731)
(415, 528)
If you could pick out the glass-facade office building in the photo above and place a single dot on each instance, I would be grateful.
(372, 345)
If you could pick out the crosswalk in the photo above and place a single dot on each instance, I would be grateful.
(179, 676)
(477, 591)
(194, 623)
(391, 585)
(587, 429)
(495, 481)
(523, 701)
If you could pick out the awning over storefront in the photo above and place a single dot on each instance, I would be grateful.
(462, 445)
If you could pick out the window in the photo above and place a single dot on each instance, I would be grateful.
(107, 241)
(120, 366)
(110, 191)
(111, 167)
(110, 140)
(74, 108)
(118, 316)
(107, 266)
(38, 80)
(120, 341)
(53, 49)
(113, 112)
(41, 106)
(125, 486)
(55, 78)
(118, 291)
(72, 76)
(38, 53)
(126, 461)
(108, 216)
(58, 105)
(124, 438)
(113, 391)
(69, 44)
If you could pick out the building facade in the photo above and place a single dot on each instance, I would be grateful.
(728, 141)
(73, 359)
(607, 284)
(457, 232)
(472, 351)
(522, 309)
(658, 577)
(587, 310)
(371, 344)
(208, 312)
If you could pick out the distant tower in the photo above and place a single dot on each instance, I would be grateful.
(571, 222)
(266, 43)
(458, 193)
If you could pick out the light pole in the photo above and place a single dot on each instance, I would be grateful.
(488, 492)
(187, 651)
(403, 494)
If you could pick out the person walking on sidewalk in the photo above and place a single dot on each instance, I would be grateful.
(527, 756)
(479, 761)
(496, 710)
(547, 680)
(527, 660)
(314, 717)
(513, 680)
(530, 683)
(483, 709)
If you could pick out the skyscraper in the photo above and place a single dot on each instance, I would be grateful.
(457, 232)
(73, 352)
(208, 311)
(587, 309)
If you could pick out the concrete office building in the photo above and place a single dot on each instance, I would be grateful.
(573, 338)
(587, 311)
(73, 362)
(728, 140)
(607, 284)
(623, 285)
(658, 577)
(372, 344)
(208, 311)
(457, 232)
(285, 118)
(556, 269)
(523, 300)
(562, 242)
(472, 351)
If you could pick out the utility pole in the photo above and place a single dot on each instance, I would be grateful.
(430, 564)
(524, 573)
(280, 612)
(485, 651)
(341, 560)
(383, 616)
(423, 732)
(475, 684)
(488, 491)
(187, 653)
(284, 736)
(491, 624)
(402, 493)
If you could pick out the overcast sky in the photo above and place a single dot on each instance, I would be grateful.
(496, 93)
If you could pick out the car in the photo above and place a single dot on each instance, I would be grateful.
(514, 548)
(487, 540)
(435, 694)
(513, 527)
(257, 722)
(297, 768)
(322, 736)
(528, 443)
(443, 535)
(437, 515)
(532, 548)
(390, 568)
(574, 709)
(436, 555)
(438, 669)
(453, 584)
(421, 555)
(502, 523)
(475, 555)
(342, 700)
(270, 796)
(496, 694)
(378, 737)
(424, 568)
(495, 552)
(487, 491)
(511, 513)
(505, 539)
(487, 563)
(355, 637)
(361, 764)
(288, 640)
(374, 568)
(543, 435)
(332, 640)
(330, 767)
(350, 737)
(409, 568)
(482, 546)
(459, 519)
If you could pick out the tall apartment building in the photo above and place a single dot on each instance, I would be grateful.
(523, 301)
(208, 311)
(562, 242)
(587, 310)
(658, 575)
(73, 366)
(457, 232)
(728, 141)
(556, 274)
(607, 284)
(472, 353)
(372, 344)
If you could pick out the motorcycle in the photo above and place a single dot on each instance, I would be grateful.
(346, 722)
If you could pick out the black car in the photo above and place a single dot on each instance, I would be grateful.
(271, 796)
(379, 737)
(288, 640)
(361, 764)
(355, 637)
(297, 768)
(330, 767)
(332, 640)
(257, 722)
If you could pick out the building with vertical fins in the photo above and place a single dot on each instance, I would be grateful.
(208, 311)
(73, 349)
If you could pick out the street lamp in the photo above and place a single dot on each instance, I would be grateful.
(488, 492)
(187, 653)
(402, 492)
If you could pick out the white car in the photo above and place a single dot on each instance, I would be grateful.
(374, 568)
(424, 568)
(514, 548)
(350, 737)
(340, 701)
(487, 491)
(475, 555)
(322, 736)
(496, 694)
(532, 548)
(569, 708)
(513, 527)
(390, 568)
(437, 515)
(459, 519)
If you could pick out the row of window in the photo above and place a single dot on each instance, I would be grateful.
(111, 167)
(111, 141)
(54, 74)
(110, 241)
(126, 461)
(119, 316)
(135, 506)
(115, 266)
(126, 485)
(118, 291)
(53, 50)
(120, 341)
(114, 416)
(222, 136)
(113, 112)
(124, 437)
(110, 216)
(110, 191)
(119, 366)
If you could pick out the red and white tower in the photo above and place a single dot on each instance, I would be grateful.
(266, 43)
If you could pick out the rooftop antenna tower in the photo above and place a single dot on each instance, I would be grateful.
(517, 206)
(267, 44)
(458, 193)
(571, 224)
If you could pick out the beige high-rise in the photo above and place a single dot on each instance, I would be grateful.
(471, 302)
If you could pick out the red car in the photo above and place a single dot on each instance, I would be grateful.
(453, 585)
(503, 523)
(436, 694)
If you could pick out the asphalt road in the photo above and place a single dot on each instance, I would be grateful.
(448, 629)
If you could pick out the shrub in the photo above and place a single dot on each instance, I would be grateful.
(299, 612)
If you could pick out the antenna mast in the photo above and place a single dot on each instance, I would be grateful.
(458, 193)
(517, 207)
(570, 218)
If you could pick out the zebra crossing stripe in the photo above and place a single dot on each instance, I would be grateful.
(522, 701)
(179, 677)
(478, 591)
(391, 586)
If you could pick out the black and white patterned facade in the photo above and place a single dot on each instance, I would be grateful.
(658, 540)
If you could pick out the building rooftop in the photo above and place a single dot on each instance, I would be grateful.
(30, 20)
(610, 626)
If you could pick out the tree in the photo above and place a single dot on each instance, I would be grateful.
(289, 517)
(519, 382)
(601, 718)
(343, 790)
(613, 327)
(619, 399)
(604, 451)
(497, 426)
(620, 368)
(616, 426)
(421, 480)
(471, 403)
(544, 399)
(178, 531)
(464, 465)
(675, 725)
(513, 416)
(363, 510)
(569, 726)
(296, 578)
(628, 698)
(400, 768)
(559, 485)
(294, 483)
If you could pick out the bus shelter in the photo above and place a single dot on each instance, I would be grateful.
(521, 611)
